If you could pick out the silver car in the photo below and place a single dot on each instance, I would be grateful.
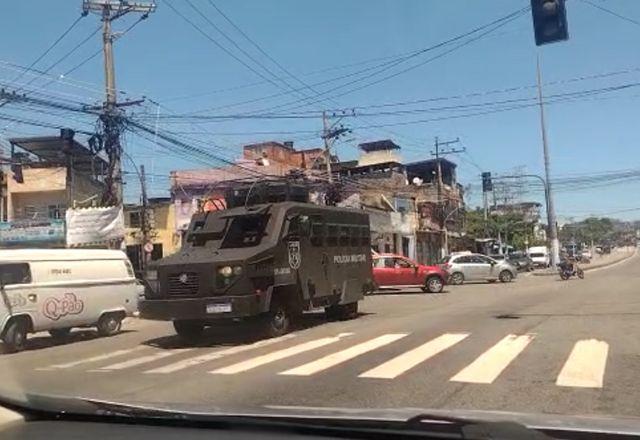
(477, 267)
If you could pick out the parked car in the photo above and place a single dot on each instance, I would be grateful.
(396, 270)
(540, 256)
(521, 261)
(477, 267)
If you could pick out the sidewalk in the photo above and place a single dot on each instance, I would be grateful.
(598, 261)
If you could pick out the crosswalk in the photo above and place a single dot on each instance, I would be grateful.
(384, 357)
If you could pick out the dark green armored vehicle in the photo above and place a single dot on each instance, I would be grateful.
(266, 262)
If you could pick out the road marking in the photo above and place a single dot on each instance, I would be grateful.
(406, 361)
(278, 355)
(488, 366)
(141, 360)
(98, 358)
(216, 355)
(585, 366)
(342, 356)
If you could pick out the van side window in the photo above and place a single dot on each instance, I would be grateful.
(344, 236)
(332, 235)
(317, 233)
(14, 273)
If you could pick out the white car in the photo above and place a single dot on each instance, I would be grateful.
(56, 289)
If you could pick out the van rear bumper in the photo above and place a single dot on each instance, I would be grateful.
(211, 308)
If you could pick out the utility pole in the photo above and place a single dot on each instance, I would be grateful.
(438, 153)
(551, 214)
(111, 10)
(327, 152)
(329, 135)
(144, 220)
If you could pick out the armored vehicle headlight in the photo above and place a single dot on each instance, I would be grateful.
(237, 270)
(225, 271)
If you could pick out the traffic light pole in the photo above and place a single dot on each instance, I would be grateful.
(551, 214)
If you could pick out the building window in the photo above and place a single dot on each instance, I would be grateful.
(135, 220)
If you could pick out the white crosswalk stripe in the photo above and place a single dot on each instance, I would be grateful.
(488, 366)
(342, 356)
(408, 360)
(98, 358)
(141, 360)
(197, 360)
(585, 366)
(278, 355)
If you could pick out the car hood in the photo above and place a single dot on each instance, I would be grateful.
(89, 406)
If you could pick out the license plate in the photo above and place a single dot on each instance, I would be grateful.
(218, 308)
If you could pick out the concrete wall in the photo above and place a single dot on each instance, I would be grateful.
(42, 187)
(374, 157)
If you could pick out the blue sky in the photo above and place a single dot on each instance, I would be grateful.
(164, 58)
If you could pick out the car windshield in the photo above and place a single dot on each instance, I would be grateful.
(322, 207)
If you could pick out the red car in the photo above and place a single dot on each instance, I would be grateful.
(396, 270)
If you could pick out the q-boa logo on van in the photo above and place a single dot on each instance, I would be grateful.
(54, 308)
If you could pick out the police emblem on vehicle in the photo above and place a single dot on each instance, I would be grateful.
(183, 278)
(294, 255)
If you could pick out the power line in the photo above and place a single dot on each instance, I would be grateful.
(379, 68)
(609, 11)
(51, 46)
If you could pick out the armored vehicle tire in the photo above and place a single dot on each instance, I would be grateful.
(342, 312)
(189, 330)
(277, 321)
(60, 333)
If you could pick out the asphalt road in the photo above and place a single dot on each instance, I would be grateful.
(537, 345)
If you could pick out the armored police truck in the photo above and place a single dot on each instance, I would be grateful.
(266, 261)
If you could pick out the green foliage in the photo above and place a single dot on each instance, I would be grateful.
(511, 227)
(592, 229)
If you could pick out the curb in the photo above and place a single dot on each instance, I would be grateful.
(588, 268)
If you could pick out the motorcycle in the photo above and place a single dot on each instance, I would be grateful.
(567, 271)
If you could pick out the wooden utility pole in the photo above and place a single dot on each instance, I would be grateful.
(327, 151)
(111, 10)
(439, 202)
(329, 135)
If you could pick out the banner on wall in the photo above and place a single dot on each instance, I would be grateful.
(94, 225)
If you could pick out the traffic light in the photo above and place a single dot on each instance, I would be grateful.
(549, 21)
(487, 185)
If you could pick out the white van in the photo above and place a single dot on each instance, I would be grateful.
(540, 256)
(57, 289)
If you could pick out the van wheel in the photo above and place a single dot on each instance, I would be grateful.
(342, 312)
(278, 320)
(189, 331)
(60, 333)
(15, 336)
(109, 324)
